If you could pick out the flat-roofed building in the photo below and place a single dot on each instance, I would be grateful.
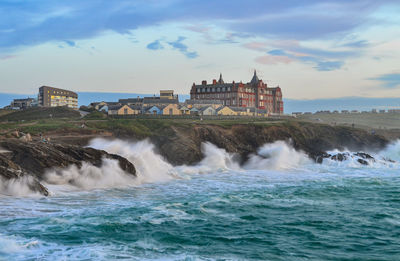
(22, 103)
(54, 97)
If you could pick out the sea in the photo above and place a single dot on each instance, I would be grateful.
(279, 205)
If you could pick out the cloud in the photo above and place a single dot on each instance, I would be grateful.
(181, 47)
(7, 57)
(357, 44)
(70, 43)
(156, 45)
(329, 65)
(321, 59)
(277, 52)
(389, 81)
(27, 23)
(271, 59)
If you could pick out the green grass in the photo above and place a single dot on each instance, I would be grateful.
(40, 113)
(95, 115)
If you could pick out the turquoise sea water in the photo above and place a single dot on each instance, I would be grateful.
(214, 211)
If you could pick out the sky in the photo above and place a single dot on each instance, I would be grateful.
(312, 49)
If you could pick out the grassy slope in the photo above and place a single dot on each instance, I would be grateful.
(68, 122)
(360, 120)
(40, 113)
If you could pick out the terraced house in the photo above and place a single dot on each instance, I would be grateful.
(254, 94)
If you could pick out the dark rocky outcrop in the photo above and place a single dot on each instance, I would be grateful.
(23, 159)
(361, 157)
(182, 145)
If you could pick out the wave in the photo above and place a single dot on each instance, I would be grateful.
(152, 167)
(19, 187)
(89, 177)
(215, 160)
(387, 158)
(279, 155)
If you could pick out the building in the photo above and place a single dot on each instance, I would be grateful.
(241, 111)
(184, 110)
(254, 94)
(166, 97)
(202, 103)
(22, 103)
(54, 97)
(153, 110)
(225, 111)
(168, 94)
(207, 111)
(123, 110)
(171, 109)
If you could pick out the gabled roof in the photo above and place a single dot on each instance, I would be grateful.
(103, 106)
(206, 107)
(115, 107)
(151, 107)
(136, 107)
(223, 107)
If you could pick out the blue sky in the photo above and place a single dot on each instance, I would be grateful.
(312, 49)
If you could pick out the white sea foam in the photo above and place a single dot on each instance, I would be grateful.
(88, 177)
(387, 158)
(392, 151)
(17, 187)
(215, 160)
(277, 156)
(150, 166)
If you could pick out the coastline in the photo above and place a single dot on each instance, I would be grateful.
(179, 142)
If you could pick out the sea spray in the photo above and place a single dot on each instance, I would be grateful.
(387, 158)
(150, 166)
(215, 159)
(277, 156)
(392, 151)
(87, 177)
(18, 187)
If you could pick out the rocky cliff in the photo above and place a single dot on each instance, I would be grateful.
(182, 145)
(178, 143)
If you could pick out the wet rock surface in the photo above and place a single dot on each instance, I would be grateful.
(31, 159)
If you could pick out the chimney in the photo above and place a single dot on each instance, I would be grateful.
(214, 81)
(204, 82)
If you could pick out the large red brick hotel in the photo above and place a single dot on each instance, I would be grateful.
(255, 94)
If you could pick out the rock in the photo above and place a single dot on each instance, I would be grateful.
(9, 171)
(182, 144)
(363, 155)
(15, 134)
(363, 162)
(339, 157)
(34, 158)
